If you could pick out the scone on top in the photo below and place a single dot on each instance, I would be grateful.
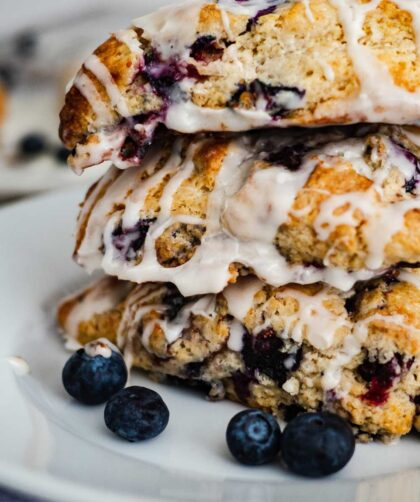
(226, 65)
(337, 206)
(284, 349)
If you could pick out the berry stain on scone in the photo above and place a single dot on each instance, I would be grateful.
(234, 66)
(332, 205)
(274, 348)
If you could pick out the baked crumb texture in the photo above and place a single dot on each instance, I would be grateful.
(280, 349)
(221, 66)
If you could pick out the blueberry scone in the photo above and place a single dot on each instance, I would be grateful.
(281, 349)
(337, 206)
(235, 65)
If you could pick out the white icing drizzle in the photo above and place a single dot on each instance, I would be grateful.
(243, 213)
(186, 117)
(235, 341)
(257, 210)
(309, 13)
(240, 296)
(172, 28)
(410, 276)
(101, 72)
(88, 90)
(248, 8)
(327, 69)
(130, 39)
(100, 347)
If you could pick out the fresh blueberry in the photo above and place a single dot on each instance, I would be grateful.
(32, 144)
(61, 153)
(26, 43)
(253, 437)
(136, 413)
(93, 374)
(8, 75)
(317, 444)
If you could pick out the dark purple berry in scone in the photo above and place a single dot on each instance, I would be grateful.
(206, 49)
(95, 373)
(128, 241)
(61, 153)
(317, 444)
(263, 352)
(136, 413)
(173, 301)
(411, 185)
(381, 377)
(253, 437)
(254, 20)
(32, 145)
(288, 156)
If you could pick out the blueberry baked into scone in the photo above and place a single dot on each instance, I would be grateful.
(259, 229)
(217, 65)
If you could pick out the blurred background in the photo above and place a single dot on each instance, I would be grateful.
(42, 45)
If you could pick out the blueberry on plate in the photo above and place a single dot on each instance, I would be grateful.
(253, 437)
(25, 44)
(32, 144)
(61, 153)
(317, 444)
(136, 413)
(95, 373)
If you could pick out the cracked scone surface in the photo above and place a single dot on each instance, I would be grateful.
(336, 206)
(280, 349)
(235, 66)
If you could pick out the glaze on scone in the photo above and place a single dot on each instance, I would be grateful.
(280, 349)
(226, 65)
(338, 206)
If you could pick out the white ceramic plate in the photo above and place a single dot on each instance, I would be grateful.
(52, 447)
